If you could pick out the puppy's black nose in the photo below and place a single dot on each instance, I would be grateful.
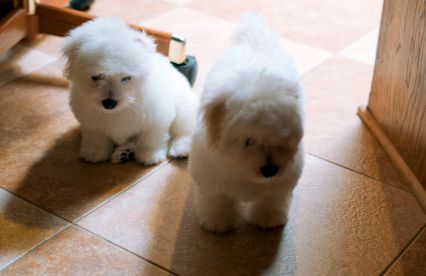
(269, 170)
(109, 103)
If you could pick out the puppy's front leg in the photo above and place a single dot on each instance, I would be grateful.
(269, 211)
(151, 147)
(95, 146)
(217, 213)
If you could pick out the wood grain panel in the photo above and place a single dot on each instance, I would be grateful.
(13, 28)
(398, 97)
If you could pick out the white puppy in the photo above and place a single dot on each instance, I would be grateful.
(125, 93)
(247, 144)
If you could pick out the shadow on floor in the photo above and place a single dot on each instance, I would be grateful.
(246, 251)
(62, 183)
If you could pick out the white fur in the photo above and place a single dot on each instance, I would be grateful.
(155, 108)
(252, 91)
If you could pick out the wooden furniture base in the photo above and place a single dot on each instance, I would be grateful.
(397, 160)
(13, 28)
(33, 17)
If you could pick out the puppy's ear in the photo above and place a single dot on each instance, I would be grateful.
(214, 114)
(147, 42)
(70, 49)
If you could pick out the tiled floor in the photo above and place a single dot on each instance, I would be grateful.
(351, 214)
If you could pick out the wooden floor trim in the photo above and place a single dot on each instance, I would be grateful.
(416, 187)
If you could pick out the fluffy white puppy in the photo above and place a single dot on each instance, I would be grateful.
(126, 94)
(247, 143)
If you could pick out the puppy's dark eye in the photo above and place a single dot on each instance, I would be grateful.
(127, 78)
(249, 142)
(97, 77)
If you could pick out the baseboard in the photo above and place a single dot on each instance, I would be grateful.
(404, 170)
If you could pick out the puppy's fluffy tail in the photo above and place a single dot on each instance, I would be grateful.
(253, 30)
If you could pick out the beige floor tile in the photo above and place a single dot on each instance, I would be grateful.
(23, 226)
(39, 143)
(179, 2)
(330, 25)
(48, 44)
(77, 252)
(340, 222)
(363, 50)
(413, 261)
(305, 57)
(207, 36)
(130, 10)
(19, 61)
(334, 90)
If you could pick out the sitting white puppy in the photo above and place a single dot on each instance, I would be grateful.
(247, 144)
(125, 93)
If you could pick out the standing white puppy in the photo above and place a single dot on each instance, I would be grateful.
(125, 93)
(247, 144)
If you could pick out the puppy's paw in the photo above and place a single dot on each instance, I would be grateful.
(179, 147)
(220, 224)
(217, 213)
(151, 157)
(123, 153)
(95, 154)
(266, 218)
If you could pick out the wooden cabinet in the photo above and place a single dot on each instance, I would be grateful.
(397, 102)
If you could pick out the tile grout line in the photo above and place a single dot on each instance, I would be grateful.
(155, 170)
(357, 172)
(121, 192)
(342, 166)
(134, 183)
(92, 233)
(34, 247)
(125, 249)
(88, 212)
(316, 65)
(108, 200)
(282, 36)
(73, 223)
(69, 225)
(404, 249)
(37, 206)
(340, 52)
(176, 8)
(273, 26)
